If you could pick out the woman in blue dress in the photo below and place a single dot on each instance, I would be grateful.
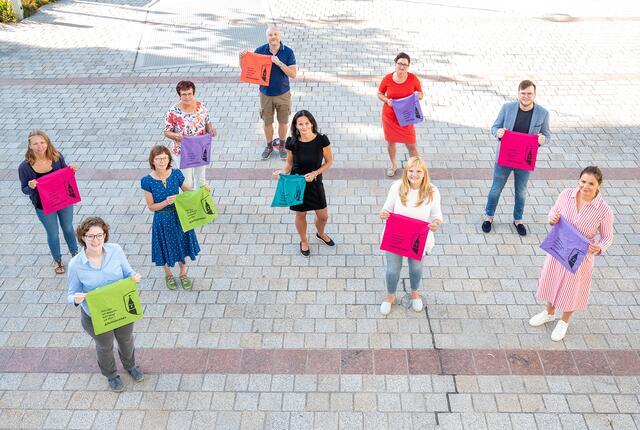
(169, 244)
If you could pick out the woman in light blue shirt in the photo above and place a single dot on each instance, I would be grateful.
(98, 264)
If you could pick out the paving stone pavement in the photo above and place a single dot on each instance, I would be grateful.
(78, 70)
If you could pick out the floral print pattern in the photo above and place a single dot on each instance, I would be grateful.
(187, 124)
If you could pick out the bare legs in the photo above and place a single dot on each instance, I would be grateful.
(282, 132)
(183, 269)
(322, 216)
(565, 315)
(268, 133)
(391, 149)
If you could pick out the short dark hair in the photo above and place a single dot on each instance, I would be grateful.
(402, 55)
(526, 84)
(593, 170)
(184, 86)
(86, 224)
(157, 150)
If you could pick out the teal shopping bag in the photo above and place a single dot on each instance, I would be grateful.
(290, 191)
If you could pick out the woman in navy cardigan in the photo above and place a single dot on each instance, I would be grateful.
(41, 159)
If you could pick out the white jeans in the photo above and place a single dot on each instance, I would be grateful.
(195, 176)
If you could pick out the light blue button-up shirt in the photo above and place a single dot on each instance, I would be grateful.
(84, 276)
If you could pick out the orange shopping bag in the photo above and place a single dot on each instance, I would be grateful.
(256, 69)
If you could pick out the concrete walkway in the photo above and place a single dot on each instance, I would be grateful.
(268, 339)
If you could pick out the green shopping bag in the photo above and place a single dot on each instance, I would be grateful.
(195, 208)
(290, 191)
(114, 305)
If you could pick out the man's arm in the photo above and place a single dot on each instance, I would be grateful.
(499, 123)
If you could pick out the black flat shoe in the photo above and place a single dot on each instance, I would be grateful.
(522, 230)
(303, 252)
(330, 242)
(486, 226)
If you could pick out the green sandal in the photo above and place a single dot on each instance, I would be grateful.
(171, 282)
(186, 282)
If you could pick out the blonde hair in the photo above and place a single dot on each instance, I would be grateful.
(425, 192)
(51, 154)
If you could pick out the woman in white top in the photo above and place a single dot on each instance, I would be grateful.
(416, 197)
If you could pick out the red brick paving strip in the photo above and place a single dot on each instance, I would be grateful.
(336, 361)
(339, 173)
(591, 363)
(558, 363)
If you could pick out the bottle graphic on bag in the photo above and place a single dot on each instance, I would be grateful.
(418, 116)
(264, 73)
(207, 207)
(70, 191)
(415, 246)
(296, 196)
(529, 157)
(204, 154)
(573, 257)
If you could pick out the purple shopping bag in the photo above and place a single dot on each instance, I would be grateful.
(195, 151)
(408, 110)
(566, 244)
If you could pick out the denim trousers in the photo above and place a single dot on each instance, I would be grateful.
(104, 346)
(50, 223)
(394, 265)
(500, 176)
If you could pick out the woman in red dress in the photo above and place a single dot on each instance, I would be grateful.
(397, 85)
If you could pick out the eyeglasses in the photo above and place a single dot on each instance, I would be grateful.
(161, 159)
(98, 236)
(402, 64)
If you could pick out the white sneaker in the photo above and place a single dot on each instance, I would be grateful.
(416, 305)
(560, 331)
(541, 318)
(385, 308)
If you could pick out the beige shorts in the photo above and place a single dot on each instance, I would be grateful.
(280, 104)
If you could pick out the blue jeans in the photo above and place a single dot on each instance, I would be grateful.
(500, 176)
(394, 264)
(50, 223)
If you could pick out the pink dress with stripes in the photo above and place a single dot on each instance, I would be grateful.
(570, 291)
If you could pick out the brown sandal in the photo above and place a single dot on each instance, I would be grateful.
(59, 268)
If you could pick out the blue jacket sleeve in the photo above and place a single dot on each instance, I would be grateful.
(63, 164)
(24, 179)
(499, 122)
(544, 129)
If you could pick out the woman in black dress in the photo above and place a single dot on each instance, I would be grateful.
(306, 150)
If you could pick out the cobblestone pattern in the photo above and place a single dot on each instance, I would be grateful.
(78, 401)
(254, 290)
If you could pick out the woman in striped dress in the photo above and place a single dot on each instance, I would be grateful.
(585, 208)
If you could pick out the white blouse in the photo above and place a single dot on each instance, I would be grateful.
(425, 212)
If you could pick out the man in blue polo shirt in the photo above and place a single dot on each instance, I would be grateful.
(276, 97)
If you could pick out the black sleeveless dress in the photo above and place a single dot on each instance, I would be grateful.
(307, 157)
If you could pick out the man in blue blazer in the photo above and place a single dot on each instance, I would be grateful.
(523, 116)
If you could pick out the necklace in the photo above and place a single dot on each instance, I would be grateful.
(163, 179)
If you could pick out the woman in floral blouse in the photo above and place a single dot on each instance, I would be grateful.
(188, 117)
